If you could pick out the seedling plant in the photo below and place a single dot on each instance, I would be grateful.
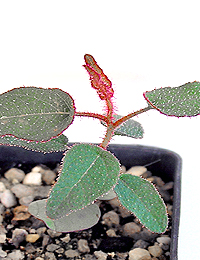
(35, 118)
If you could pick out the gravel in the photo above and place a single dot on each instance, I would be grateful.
(118, 235)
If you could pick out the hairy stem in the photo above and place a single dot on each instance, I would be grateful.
(111, 127)
(124, 118)
(94, 115)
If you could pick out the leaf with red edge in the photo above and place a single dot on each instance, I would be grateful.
(179, 101)
(35, 113)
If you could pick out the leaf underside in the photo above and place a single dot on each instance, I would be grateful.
(34, 113)
(179, 101)
(79, 220)
(129, 128)
(87, 172)
(140, 197)
(57, 144)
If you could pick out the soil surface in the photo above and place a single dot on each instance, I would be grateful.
(117, 235)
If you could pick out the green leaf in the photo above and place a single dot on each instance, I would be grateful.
(57, 144)
(87, 172)
(130, 128)
(179, 101)
(34, 113)
(79, 220)
(140, 197)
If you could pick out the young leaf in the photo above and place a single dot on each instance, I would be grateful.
(140, 197)
(57, 144)
(34, 113)
(179, 101)
(87, 172)
(130, 128)
(99, 80)
(79, 220)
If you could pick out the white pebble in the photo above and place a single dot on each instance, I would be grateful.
(33, 178)
(155, 250)
(8, 199)
(100, 255)
(139, 254)
(137, 170)
(164, 240)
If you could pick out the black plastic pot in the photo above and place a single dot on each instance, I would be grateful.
(167, 165)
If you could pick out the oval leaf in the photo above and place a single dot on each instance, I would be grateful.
(57, 144)
(87, 172)
(179, 101)
(140, 197)
(34, 113)
(79, 220)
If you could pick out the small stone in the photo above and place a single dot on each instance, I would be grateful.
(33, 178)
(18, 236)
(14, 175)
(164, 240)
(66, 239)
(83, 246)
(53, 233)
(60, 250)
(8, 199)
(139, 254)
(30, 248)
(100, 255)
(32, 238)
(141, 244)
(21, 213)
(39, 258)
(2, 187)
(50, 256)
(21, 190)
(26, 200)
(137, 170)
(156, 180)
(52, 247)
(2, 238)
(42, 191)
(40, 231)
(16, 255)
(129, 229)
(146, 235)
(45, 240)
(48, 177)
(110, 218)
(111, 233)
(168, 186)
(155, 250)
(121, 256)
(71, 253)
(38, 168)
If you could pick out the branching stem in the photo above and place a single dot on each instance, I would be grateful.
(109, 121)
